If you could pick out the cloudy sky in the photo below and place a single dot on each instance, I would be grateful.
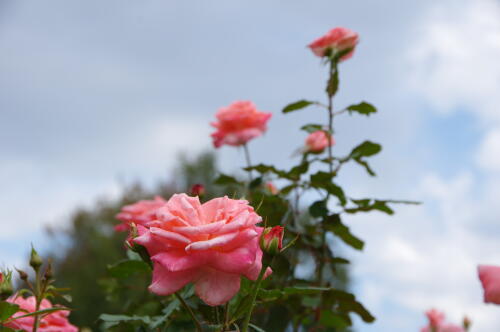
(94, 94)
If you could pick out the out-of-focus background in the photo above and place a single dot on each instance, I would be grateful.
(98, 95)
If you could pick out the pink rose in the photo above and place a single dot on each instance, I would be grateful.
(317, 141)
(211, 244)
(53, 322)
(238, 123)
(435, 317)
(139, 213)
(490, 279)
(444, 328)
(336, 40)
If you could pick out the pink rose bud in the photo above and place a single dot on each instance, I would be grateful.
(435, 317)
(271, 240)
(317, 141)
(239, 123)
(1, 277)
(490, 279)
(335, 41)
(198, 190)
(272, 188)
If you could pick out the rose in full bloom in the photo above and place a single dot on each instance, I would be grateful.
(335, 40)
(238, 123)
(317, 141)
(139, 213)
(490, 279)
(53, 322)
(211, 245)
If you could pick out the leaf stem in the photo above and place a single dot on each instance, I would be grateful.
(190, 311)
(254, 297)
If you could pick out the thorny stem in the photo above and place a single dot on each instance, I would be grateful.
(333, 69)
(254, 297)
(191, 313)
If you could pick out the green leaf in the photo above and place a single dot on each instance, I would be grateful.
(255, 183)
(331, 319)
(362, 108)
(340, 260)
(166, 313)
(324, 180)
(298, 290)
(113, 320)
(298, 105)
(297, 171)
(335, 225)
(312, 127)
(365, 149)
(318, 209)
(127, 268)
(224, 179)
(44, 311)
(287, 189)
(7, 309)
(358, 308)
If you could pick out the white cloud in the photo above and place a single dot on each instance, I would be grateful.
(488, 156)
(455, 58)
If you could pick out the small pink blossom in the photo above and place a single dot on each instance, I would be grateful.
(490, 279)
(211, 245)
(317, 141)
(437, 323)
(198, 190)
(335, 40)
(272, 188)
(139, 213)
(271, 240)
(53, 322)
(239, 123)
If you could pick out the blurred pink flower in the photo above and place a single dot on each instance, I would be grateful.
(198, 190)
(335, 40)
(317, 141)
(139, 213)
(211, 244)
(238, 123)
(490, 279)
(53, 322)
(272, 188)
(437, 323)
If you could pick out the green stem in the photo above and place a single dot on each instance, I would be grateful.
(226, 317)
(254, 297)
(38, 296)
(191, 313)
(249, 162)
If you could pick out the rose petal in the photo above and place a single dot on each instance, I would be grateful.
(178, 260)
(166, 282)
(215, 242)
(216, 287)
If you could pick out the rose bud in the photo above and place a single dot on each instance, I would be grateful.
(271, 240)
(490, 279)
(466, 323)
(35, 259)
(198, 190)
(435, 317)
(22, 275)
(49, 274)
(318, 141)
(6, 289)
(271, 188)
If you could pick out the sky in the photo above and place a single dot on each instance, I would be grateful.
(96, 94)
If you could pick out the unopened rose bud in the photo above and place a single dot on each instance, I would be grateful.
(35, 259)
(198, 190)
(6, 289)
(22, 275)
(271, 240)
(49, 274)
(272, 188)
(467, 323)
